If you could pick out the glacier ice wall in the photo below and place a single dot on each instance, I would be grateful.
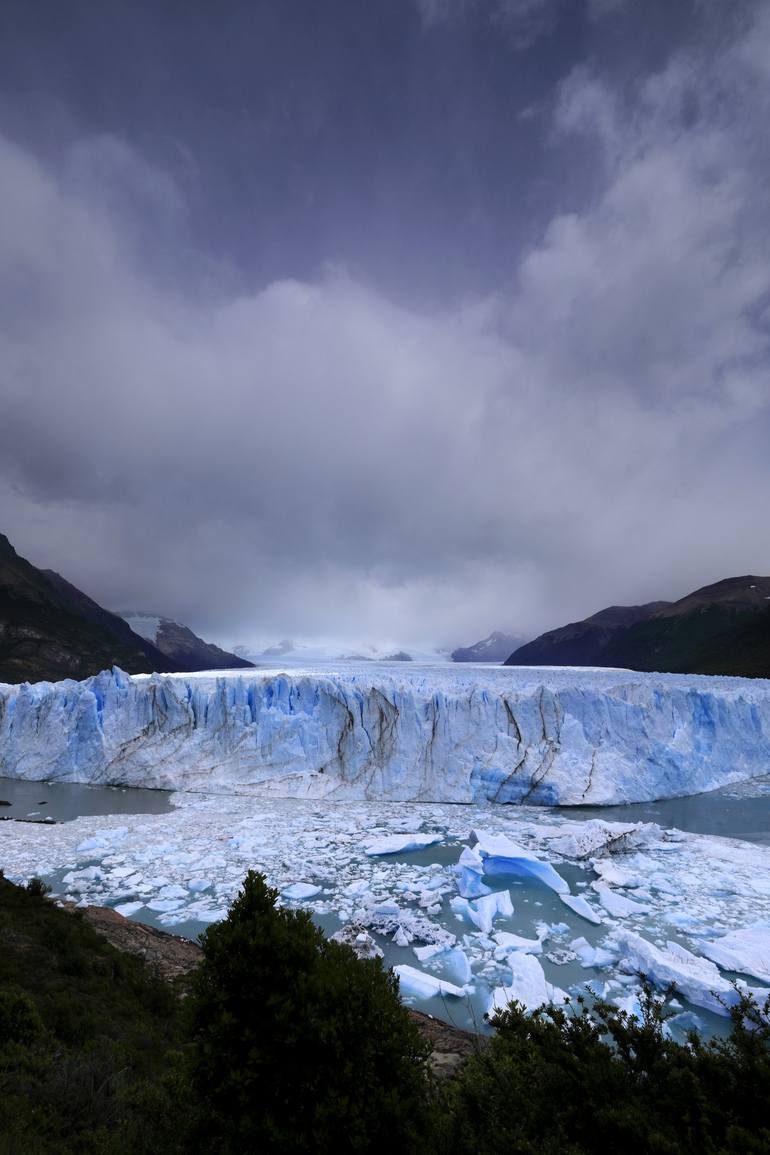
(498, 734)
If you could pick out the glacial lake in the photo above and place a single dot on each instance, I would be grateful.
(63, 801)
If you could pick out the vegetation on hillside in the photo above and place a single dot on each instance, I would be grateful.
(285, 1042)
(88, 1039)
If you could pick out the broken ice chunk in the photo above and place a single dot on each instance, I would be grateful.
(529, 986)
(507, 941)
(481, 911)
(502, 856)
(596, 835)
(197, 885)
(353, 935)
(128, 908)
(616, 905)
(581, 907)
(592, 956)
(452, 961)
(299, 890)
(471, 868)
(746, 951)
(423, 986)
(696, 978)
(398, 843)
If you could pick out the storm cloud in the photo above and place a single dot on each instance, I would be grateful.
(342, 449)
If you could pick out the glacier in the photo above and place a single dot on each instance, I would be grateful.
(495, 734)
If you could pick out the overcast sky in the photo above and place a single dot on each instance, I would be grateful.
(396, 321)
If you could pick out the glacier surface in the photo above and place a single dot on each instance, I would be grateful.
(474, 734)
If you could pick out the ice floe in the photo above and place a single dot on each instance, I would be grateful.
(500, 855)
(424, 986)
(746, 951)
(580, 906)
(528, 986)
(400, 843)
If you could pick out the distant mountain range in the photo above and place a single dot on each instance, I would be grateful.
(184, 648)
(50, 630)
(720, 629)
(293, 654)
(495, 648)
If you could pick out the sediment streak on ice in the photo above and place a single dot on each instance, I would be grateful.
(542, 736)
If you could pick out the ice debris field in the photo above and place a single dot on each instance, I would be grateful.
(438, 734)
(342, 785)
(473, 905)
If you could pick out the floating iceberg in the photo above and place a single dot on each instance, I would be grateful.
(500, 855)
(581, 907)
(299, 891)
(592, 956)
(549, 736)
(744, 951)
(529, 986)
(507, 941)
(597, 836)
(420, 985)
(616, 904)
(471, 871)
(482, 911)
(696, 978)
(399, 843)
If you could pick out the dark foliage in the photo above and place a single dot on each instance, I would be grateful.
(582, 1082)
(87, 1038)
(288, 1043)
(299, 1046)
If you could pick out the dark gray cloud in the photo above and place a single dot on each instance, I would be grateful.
(332, 442)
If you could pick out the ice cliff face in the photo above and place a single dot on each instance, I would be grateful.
(420, 734)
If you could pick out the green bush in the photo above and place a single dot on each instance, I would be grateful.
(298, 1045)
(87, 1039)
(37, 888)
(577, 1081)
(20, 1020)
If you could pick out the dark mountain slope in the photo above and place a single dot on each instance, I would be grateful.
(49, 630)
(722, 628)
(184, 648)
(582, 643)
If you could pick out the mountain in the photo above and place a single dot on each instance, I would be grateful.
(51, 630)
(185, 649)
(495, 648)
(722, 628)
(582, 643)
(291, 654)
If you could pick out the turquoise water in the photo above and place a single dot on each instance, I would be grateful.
(739, 811)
